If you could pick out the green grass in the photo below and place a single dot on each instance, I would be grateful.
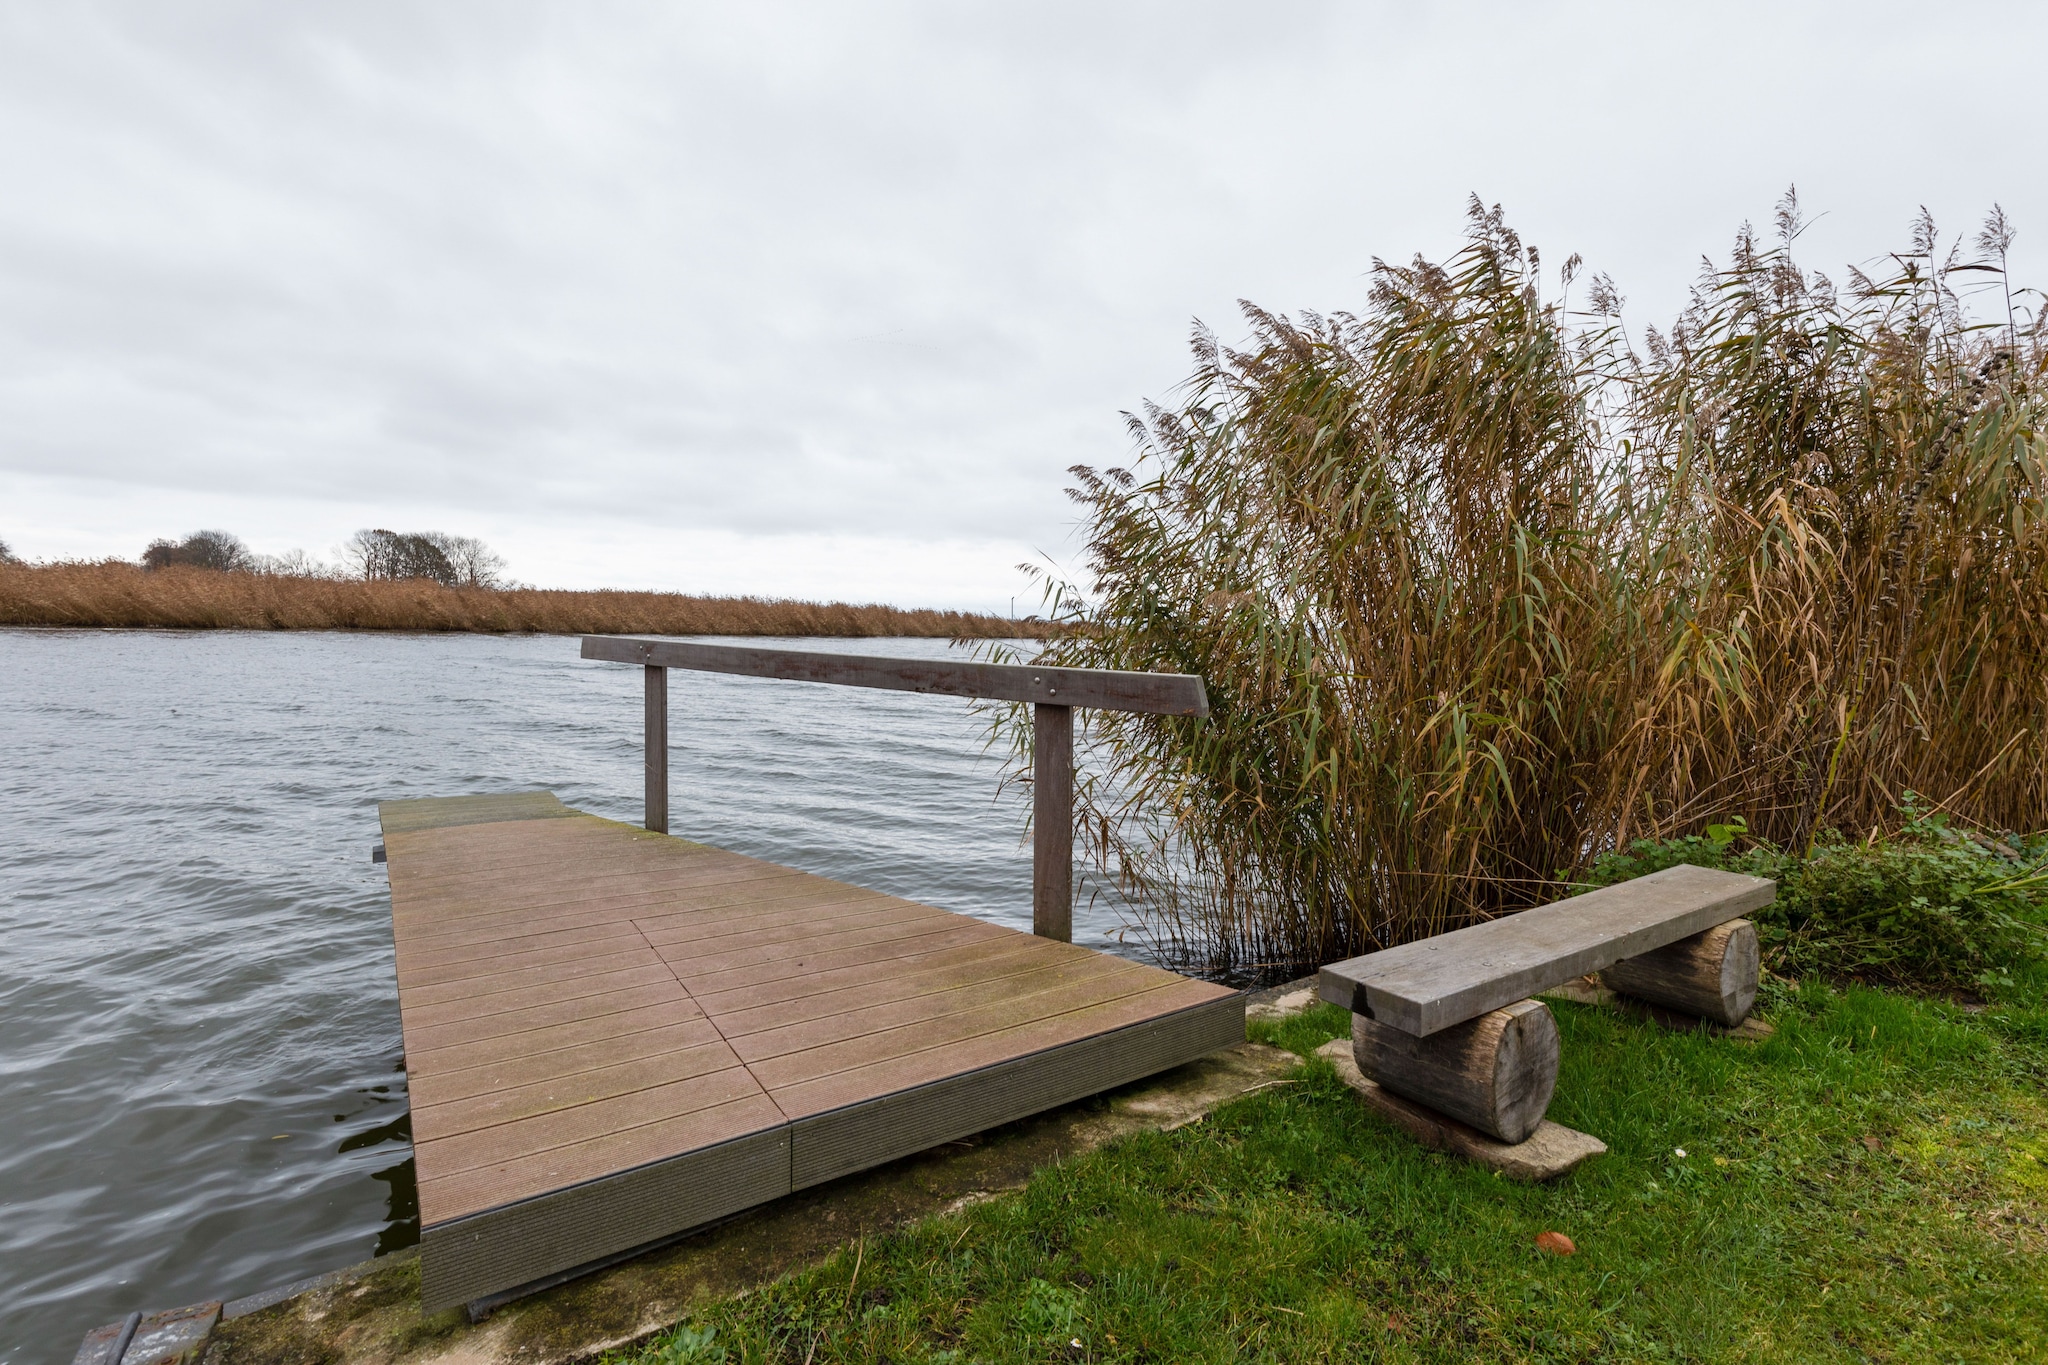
(1294, 1226)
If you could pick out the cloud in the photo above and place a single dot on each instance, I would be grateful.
(842, 289)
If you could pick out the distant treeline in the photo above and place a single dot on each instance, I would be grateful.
(434, 556)
(424, 582)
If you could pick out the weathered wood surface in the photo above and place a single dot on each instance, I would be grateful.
(655, 728)
(613, 1035)
(1713, 974)
(1052, 822)
(1496, 1073)
(1172, 694)
(1433, 983)
(1549, 1152)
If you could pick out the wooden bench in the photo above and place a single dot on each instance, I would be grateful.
(1447, 1021)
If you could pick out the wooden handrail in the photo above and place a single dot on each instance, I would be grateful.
(1169, 694)
(1052, 692)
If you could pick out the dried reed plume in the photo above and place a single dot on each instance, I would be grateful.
(1481, 591)
(120, 594)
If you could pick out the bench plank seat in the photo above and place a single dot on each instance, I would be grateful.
(1434, 983)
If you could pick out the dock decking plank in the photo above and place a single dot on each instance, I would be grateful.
(437, 812)
(454, 1058)
(553, 992)
(824, 911)
(827, 987)
(808, 1096)
(576, 914)
(448, 913)
(797, 963)
(447, 1081)
(702, 1055)
(519, 980)
(955, 1101)
(507, 954)
(790, 947)
(615, 1035)
(996, 1023)
(519, 1242)
(1029, 990)
(423, 1038)
(571, 1127)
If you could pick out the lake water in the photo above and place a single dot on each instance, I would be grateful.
(200, 1084)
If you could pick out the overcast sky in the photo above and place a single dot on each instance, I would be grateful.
(822, 300)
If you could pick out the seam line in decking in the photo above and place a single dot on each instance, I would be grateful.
(721, 1034)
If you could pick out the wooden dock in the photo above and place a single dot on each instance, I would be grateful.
(614, 1036)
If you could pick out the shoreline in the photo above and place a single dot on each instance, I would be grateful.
(116, 595)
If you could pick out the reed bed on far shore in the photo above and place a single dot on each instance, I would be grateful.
(116, 594)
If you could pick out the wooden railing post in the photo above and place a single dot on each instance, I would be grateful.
(1052, 821)
(657, 749)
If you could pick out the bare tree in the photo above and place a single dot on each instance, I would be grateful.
(475, 564)
(378, 553)
(7, 556)
(368, 553)
(292, 564)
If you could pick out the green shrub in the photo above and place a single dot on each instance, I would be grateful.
(1930, 906)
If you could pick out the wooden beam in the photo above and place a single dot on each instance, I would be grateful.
(657, 748)
(1169, 694)
(1052, 822)
(1433, 983)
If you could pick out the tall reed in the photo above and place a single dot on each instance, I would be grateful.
(122, 595)
(1482, 590)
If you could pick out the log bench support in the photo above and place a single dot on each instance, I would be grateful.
(1712, 975)
(1495, 1073)
(1445, 1022)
